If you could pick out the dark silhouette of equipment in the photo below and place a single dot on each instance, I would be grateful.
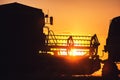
(85, 47)
(21, 39)
(110, 70)
(28, 53)
(112, 42)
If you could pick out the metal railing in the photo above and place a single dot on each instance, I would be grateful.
(83, 43)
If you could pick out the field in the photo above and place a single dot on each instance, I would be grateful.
(74, 78)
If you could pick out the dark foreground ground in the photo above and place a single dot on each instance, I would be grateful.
(76, 78)
(60, 78)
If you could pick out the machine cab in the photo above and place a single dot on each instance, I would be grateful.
(113, 40)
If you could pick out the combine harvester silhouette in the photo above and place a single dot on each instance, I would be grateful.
(22, 36)
(71, 54)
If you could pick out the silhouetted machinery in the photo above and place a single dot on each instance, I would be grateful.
(22, 38)
(70, 54)
(112, 46)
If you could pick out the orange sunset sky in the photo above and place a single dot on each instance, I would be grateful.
(78, 16)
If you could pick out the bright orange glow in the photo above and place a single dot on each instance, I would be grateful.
(78, 17)
(62, 52)
(73, 52)
(60, 45)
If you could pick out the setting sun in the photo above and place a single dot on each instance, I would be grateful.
(73, 52)
(72, 45)
(79, 27)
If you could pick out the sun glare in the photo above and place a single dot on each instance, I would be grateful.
(73, 52)
(70, 45)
